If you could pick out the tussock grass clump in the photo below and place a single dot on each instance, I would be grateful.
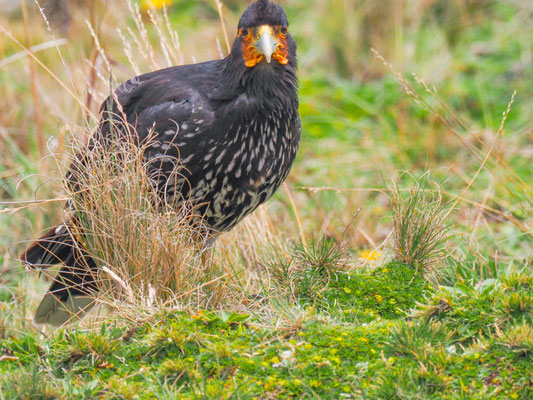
(30, 385)
(97, 343)
(148, 246)
(419, 338)
(419, 218)
(316, 265)
(301, 271)
(518, 339)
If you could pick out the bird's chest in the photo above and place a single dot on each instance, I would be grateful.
(248, 169)
(261, 156)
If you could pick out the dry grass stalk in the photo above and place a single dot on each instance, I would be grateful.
(165, 47)
(174, 38)
(224, 30)
(57, 44)
(296, 214)
(128, 52)
(37, 112)
(489, 152)
(99, 48)
(143, 43)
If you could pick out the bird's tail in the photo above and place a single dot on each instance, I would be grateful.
(74, 288)
(53, 247)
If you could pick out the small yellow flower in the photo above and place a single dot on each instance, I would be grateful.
(315, 383)
(347, 290)
(378, 298)
(335, 360)
(157, 4)
(369, 255)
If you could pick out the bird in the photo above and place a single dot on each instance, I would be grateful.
(233, 123)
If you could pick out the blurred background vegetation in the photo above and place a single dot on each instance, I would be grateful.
(363, 123)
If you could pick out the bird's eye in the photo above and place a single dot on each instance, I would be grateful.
(284, 29)
(244, 31)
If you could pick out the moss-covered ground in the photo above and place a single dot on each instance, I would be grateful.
(387, 334)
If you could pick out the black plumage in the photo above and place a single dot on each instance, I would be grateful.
(233, 124)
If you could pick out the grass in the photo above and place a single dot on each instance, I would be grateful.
(442, 350)
(420, 232)
(129, 230)
(360, 279)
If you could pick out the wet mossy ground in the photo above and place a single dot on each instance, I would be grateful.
(385, 334)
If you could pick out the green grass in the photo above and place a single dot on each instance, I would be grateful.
(409, 342)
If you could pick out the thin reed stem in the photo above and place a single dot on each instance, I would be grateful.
(37, 107)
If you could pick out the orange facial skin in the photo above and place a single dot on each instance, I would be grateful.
(252, 56)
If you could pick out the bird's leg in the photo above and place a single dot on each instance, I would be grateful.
(206, 255)
(207, 249)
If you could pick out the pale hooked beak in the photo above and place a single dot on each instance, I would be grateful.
(266, 46)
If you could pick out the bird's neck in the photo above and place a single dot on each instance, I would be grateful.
(265, 85)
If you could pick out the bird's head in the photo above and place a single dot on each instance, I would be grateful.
(262, 35)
